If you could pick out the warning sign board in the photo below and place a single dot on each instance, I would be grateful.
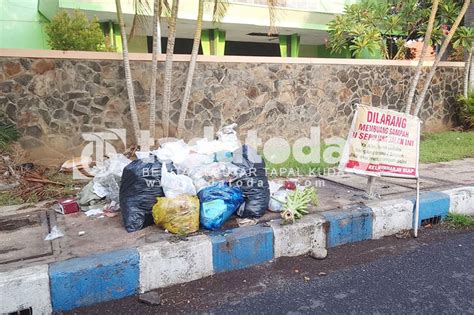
(382, 142)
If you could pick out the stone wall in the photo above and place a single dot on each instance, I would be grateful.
(53, 101)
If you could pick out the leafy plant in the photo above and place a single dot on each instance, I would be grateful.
(385, 26)
(8, 134)
(467, 109)
(297, 202)
(463, 37)
(75, 32)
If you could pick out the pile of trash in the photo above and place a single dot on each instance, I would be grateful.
(182, 187)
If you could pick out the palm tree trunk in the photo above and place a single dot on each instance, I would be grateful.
(169, 68)
(446, 42)
(158, 36)
(192, 67)
(128, 74)
(471, 74)
(426, 43)
(467, 70)
(154, 67)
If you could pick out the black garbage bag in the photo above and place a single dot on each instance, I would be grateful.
(252, 181)
(139, 188)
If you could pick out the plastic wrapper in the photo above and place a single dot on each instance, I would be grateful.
(253, 183)
(218, 203)
(174, 185)
(178, 215)
(54, 234)
(227, 136)
(209, 174)
(194, 161)
(87, 196)
(204, 146)
(277, 199)
(139, 188)
(107, 186)
(175, 151)
(106, 181)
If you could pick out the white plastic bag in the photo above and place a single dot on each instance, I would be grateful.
(277, 199)
(227, 136)
(204, 146)
(208, 174)
(176, 152)
(193, 161)
(274, 186)
(54, 234)
(174, 185)
(107, 177)
(113, 165)
(143, 154)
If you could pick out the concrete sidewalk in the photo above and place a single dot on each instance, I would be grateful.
(108, 263)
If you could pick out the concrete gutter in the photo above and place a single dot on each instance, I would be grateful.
(77, 282)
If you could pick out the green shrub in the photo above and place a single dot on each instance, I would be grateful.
(75, 32)
(467, 110)
(8, 134)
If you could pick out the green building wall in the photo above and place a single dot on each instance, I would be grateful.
(21, 25)
(321, 51)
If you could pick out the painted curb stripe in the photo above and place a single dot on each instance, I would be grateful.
(25, 288)
(306, 236)
(93, 279)
(107, 276)
(164, 264)
(391, 216)
(461, 200)
(432, 204)
(241, 248)
(350, 225)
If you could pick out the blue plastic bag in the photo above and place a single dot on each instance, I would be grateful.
(218, 203)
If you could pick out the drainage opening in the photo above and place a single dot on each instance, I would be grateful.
(26, 311)
(431, 221)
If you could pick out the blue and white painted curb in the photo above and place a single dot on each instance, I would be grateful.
(77, 282)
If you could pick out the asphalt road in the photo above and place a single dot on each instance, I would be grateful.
(432, 274)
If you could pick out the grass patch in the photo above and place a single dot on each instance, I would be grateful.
(293, 168)
(8, 199)
(435, 147)
(459, 221)
(446, 146)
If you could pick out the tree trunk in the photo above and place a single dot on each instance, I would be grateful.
(446, 42)
(169, 68)
(467, 73)
(471, 72)
(192, 67)
(426, 44)
(154, 68)
(158, 36)
(128, 74)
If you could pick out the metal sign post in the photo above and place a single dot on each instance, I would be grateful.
(383, 143)
(417, 206)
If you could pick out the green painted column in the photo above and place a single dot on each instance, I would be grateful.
(213, 42)
(219, 42)
(206, 42)
(289, 45)
(117, 38)
(111, 34)
(295, 45)
(283, 39)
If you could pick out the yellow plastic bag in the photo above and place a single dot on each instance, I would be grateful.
(179, 215)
